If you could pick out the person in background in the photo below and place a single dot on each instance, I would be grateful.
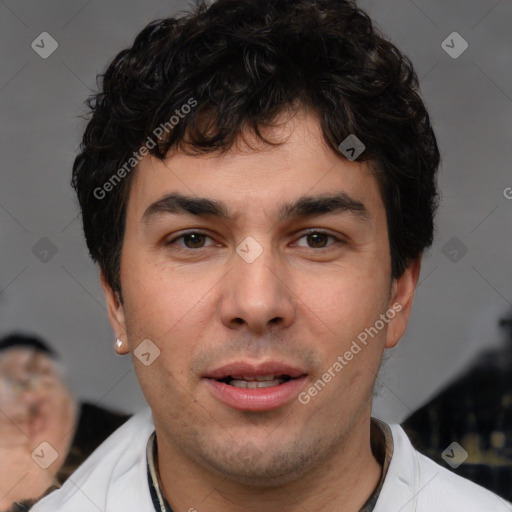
(44, 433)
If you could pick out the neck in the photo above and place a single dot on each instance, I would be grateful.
(348, 476)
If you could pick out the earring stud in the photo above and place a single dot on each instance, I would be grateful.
(119, 343)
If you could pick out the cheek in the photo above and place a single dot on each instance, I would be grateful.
(342, 304)
(169, 309)
(159, 301)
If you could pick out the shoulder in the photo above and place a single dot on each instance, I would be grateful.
(415, 483)
(94, 425)
(112, 478)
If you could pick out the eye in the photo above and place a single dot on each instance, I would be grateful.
(191, 240)
(317, 240)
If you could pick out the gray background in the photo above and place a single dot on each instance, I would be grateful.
(458, 303)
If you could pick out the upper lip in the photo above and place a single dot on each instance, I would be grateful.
(248, 369)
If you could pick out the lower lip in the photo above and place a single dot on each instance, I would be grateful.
(260, 399)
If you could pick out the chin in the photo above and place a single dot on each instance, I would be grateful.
(253, 468)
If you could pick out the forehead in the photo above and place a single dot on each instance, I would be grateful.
(255, 178)
(24, 358)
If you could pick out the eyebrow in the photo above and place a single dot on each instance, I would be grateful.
(306, 206)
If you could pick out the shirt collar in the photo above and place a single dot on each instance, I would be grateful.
(159, 502)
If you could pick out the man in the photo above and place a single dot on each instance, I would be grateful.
(37, 412)
(257, 184)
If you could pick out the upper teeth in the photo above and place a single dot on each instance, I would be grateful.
(259, 378)
(253, 384)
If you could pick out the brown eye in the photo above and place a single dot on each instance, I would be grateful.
(194, 240)
(317, 240)
(191, 240)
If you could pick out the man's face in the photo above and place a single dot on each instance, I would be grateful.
(285, 303)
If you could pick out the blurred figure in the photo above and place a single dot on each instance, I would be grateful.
(35, 407)
(475, 411)
(44, 433)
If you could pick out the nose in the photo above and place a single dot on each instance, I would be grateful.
(30, 401)
(256, 295)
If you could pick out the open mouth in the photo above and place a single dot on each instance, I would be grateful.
(256, 387)
(260, 381)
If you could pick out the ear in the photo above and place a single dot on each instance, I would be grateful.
(115, 312)
(402, 296)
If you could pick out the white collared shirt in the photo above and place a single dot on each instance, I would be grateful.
(114, 479)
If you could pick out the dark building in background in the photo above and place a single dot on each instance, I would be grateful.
(476, 412)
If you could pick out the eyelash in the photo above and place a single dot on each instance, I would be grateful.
(311, 232)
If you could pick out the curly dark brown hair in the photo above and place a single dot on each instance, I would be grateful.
(241, 63)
